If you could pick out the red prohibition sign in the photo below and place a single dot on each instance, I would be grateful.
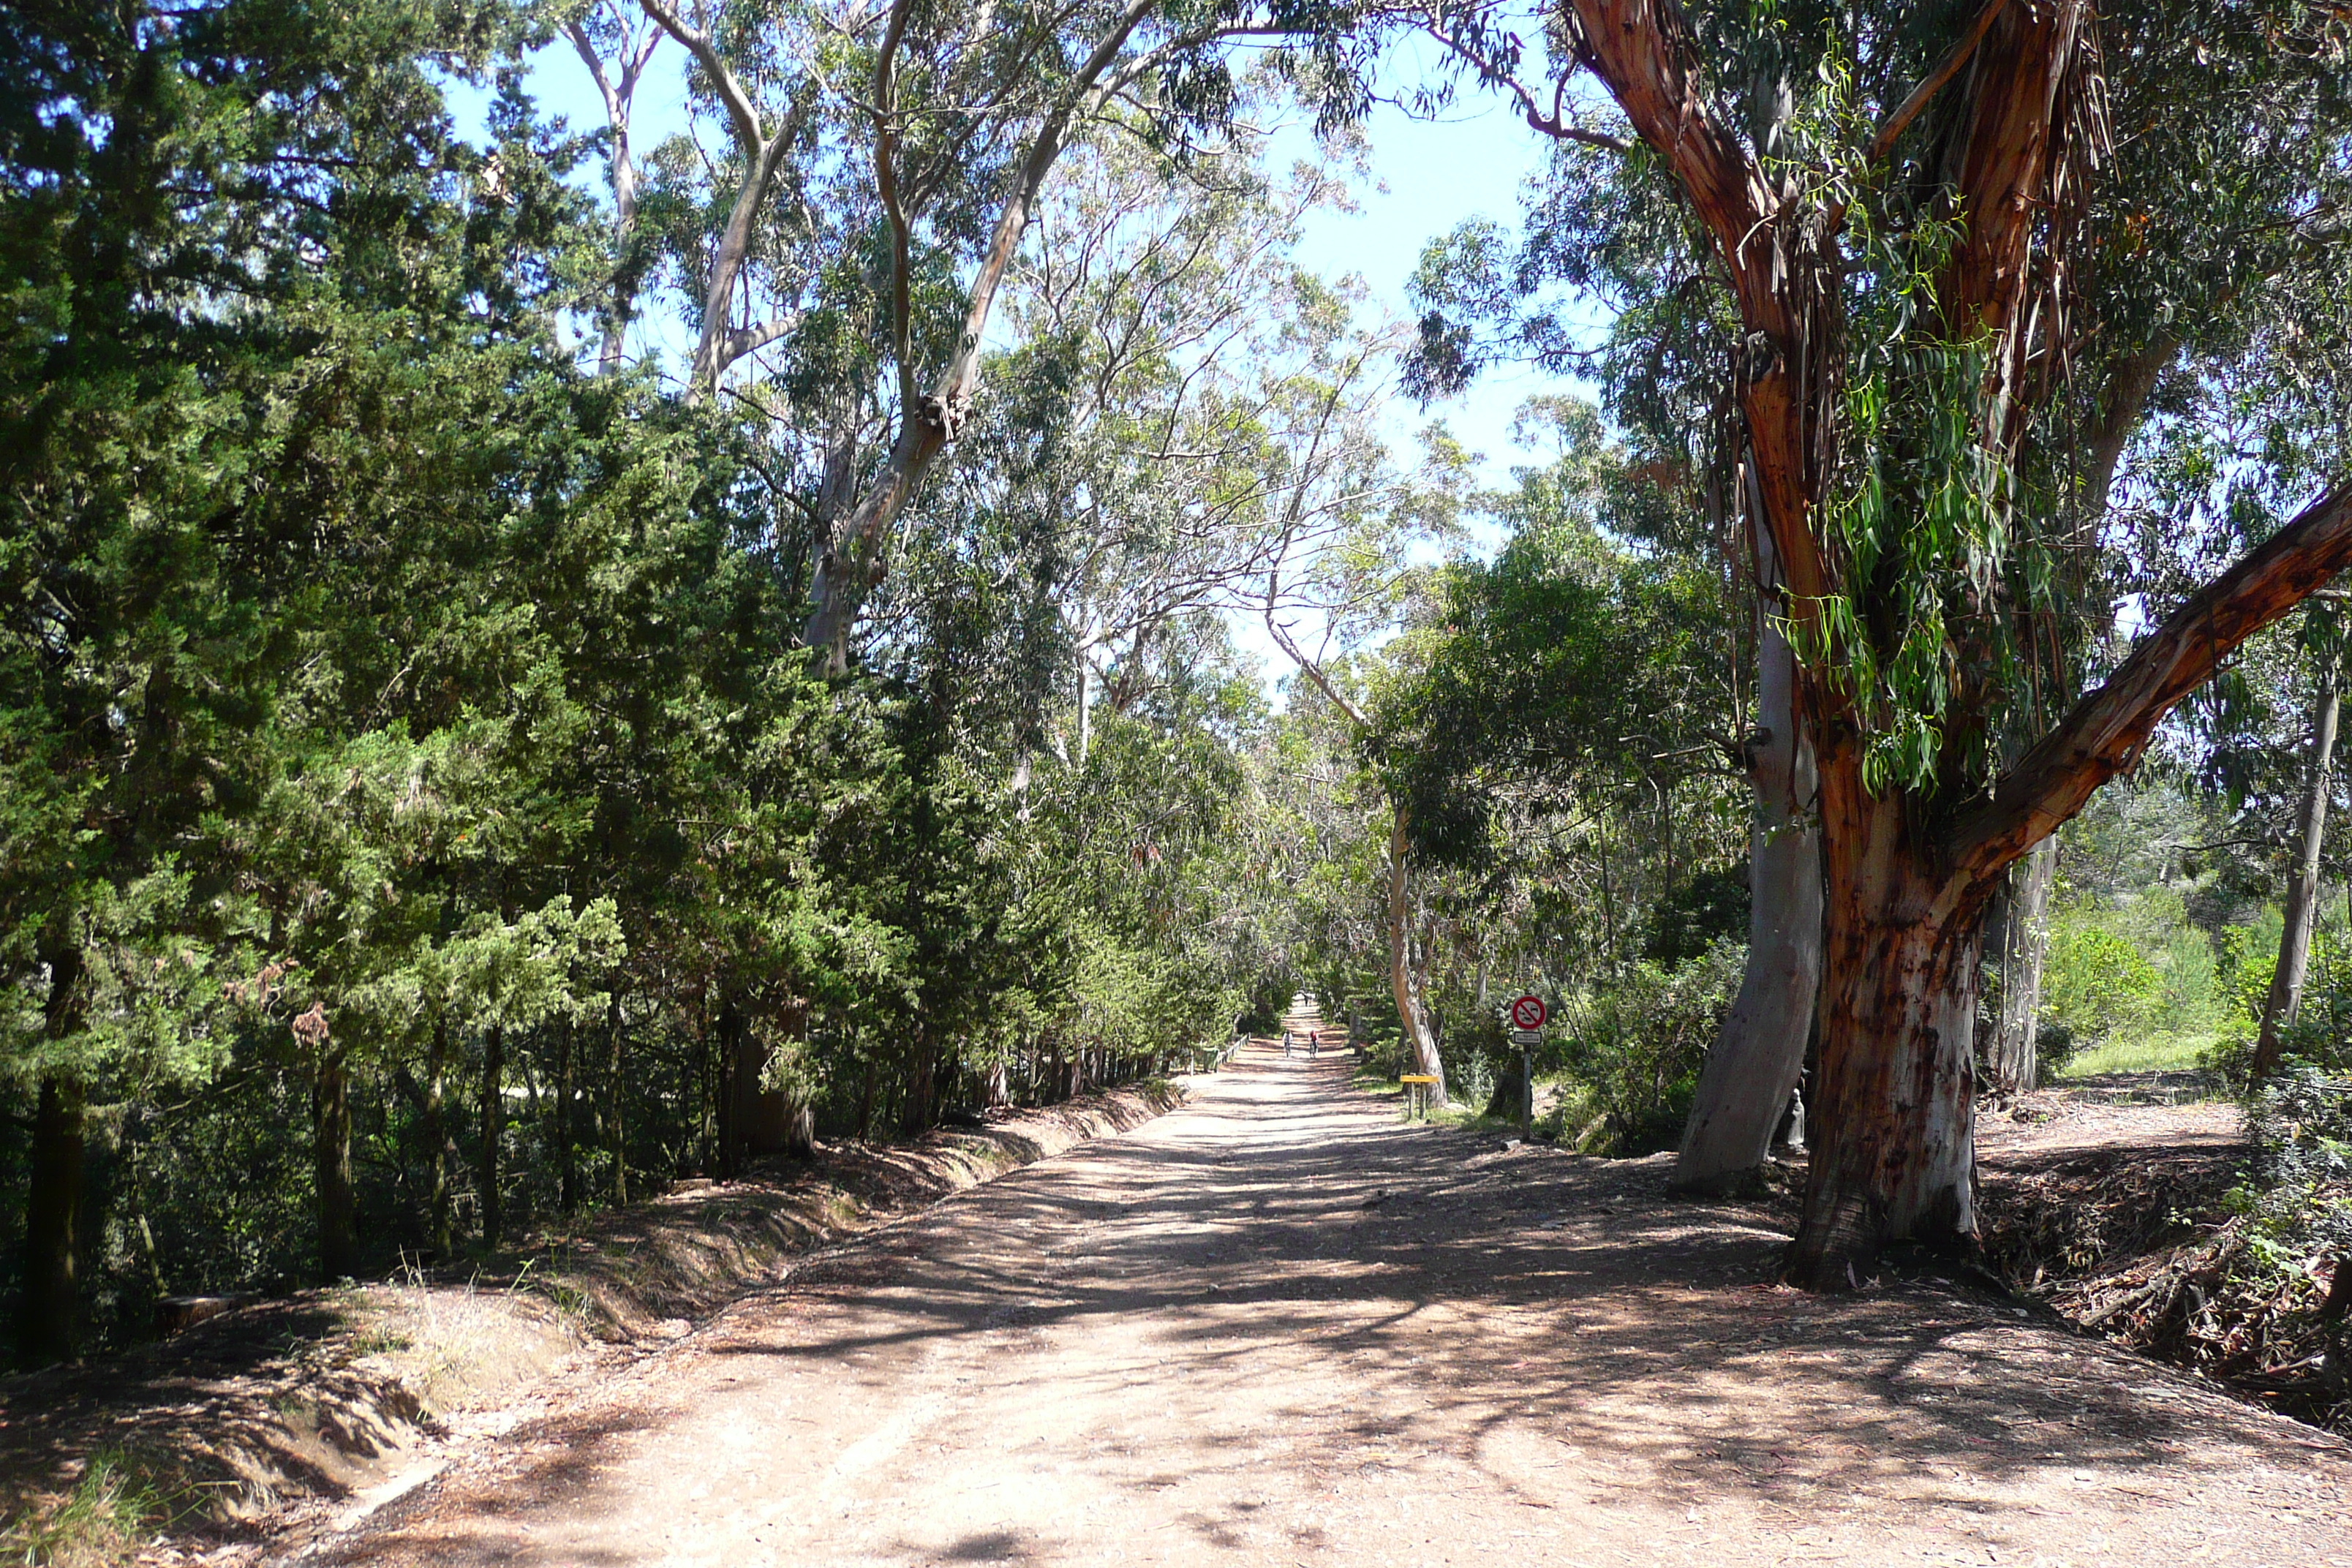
(1528, 1013)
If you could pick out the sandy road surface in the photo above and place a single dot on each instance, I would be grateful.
(1278, 1327)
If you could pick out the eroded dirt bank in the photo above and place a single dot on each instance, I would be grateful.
(330, 1400)
(1279, 1327)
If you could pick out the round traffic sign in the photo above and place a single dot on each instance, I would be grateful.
(1528, 1013)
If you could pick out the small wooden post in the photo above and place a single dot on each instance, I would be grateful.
(1416, 1093)
(1527, 1093)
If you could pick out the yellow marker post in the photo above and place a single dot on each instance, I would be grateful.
(1416, 1091)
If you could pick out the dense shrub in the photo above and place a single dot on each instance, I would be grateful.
(1636, 1041)
(2096, 981)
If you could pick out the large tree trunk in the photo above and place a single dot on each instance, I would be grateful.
(2303, 886)
(1415, 1020)
(2019, 932)
(1753, 1069)
(331, 1168)
(49, 1318)
(1893, 1158)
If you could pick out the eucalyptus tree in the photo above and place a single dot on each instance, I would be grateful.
(1346, 517)
(1905, 217)
(1168, 344)
(617, 45)
(954, 94)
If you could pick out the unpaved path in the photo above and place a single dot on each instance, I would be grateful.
(1279, 1327)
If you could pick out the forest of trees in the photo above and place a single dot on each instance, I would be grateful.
(537, 660)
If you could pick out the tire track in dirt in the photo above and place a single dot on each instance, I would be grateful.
(1280, 1327)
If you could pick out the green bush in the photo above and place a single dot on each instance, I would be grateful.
(2096, 981)
(2054, 1045)
(1637, 1043)
(2249, 959)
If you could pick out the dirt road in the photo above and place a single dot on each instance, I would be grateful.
(1279, 1327)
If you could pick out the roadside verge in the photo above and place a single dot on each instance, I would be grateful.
(329, 1393)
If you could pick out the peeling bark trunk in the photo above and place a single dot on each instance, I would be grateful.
(330, 1166)
(1402, 977)
(2020, 935)
(1759, 1054)
(2303, 887)
(1909, 873)
(1893, 1154)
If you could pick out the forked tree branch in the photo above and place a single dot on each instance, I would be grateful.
(2107, 728)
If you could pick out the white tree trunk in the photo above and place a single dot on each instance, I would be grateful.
(2303, 888)
(2023, 932)
(1410, 1014)
(1753, 1067)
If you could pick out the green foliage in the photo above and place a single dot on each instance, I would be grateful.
(388, 701)
(1711, 907)
(1637, 1039)
(2096, 981)
(113, 1510)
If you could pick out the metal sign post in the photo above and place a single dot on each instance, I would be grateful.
(1529, 1014)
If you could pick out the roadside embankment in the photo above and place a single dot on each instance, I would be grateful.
(332, 1393)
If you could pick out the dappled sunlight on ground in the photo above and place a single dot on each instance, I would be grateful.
(1281, 1326)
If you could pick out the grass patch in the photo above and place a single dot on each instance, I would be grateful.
(2167, 1052)
(114, 1509)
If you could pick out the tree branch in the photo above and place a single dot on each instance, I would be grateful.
(1552, 124)
(1921, 96)
(723, 80)
(1637, 50)
(886, 186)
(2107, 728)
(742, 341)
(1312, 669)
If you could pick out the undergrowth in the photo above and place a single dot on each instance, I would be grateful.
(115, 1507)
(2249, 1285)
